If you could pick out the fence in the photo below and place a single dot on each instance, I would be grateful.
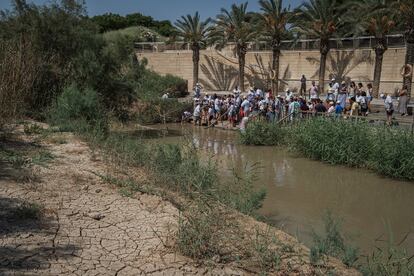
(393, 41)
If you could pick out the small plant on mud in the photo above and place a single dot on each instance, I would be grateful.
(15, 158)
(199, 231)
(332, 243)
(267, 255)
(30, 129)
(387, 262)
(241, 193)
(42, 158)
(28, 211)
(57, 139)
(127, 186)
(391, 259)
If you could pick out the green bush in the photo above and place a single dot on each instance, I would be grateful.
(261, 133)
(150, 85)
(79, 111)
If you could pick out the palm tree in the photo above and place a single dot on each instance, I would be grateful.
(375, 17)
(235, 26)
(319, 19)
(274, 23)
(194, 32)
(405, 13)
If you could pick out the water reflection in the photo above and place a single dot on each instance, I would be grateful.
(300, 190)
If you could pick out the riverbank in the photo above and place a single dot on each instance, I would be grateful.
(299, 190)
(68, 216)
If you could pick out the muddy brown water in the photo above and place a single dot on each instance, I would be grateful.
(373, 209)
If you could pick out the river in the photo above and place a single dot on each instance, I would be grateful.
(300, 191)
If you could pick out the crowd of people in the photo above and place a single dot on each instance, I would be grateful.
(340, 100)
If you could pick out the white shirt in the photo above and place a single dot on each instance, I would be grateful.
(197, 111)
(243, 123)
(246, 105)
(335, 87)
(217, 104)
(314, 92)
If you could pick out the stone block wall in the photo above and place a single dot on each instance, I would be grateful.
(218, 70)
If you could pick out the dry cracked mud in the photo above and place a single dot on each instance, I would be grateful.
(88, 228)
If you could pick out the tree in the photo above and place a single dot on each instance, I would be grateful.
(405, 12)
(194, 32)
(274, 24)
(109, 22)
(235, 26)
(319, 19)
(375, 17)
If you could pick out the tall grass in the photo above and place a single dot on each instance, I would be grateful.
(388, 151)
(333, 141)
(389, 260)
(332, 243)
(260, 133)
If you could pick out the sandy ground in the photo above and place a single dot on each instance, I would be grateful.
(88, 228)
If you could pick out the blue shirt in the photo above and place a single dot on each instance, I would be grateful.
(338, 109)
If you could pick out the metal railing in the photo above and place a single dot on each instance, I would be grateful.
(394, 41)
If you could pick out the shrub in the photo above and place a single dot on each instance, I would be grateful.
(79, 111)
(16, 78)
(199, 232)
(150, 85)
(261, 133)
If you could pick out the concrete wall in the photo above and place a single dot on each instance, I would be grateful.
(218, 70)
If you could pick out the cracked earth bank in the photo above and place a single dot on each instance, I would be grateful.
(88, 228)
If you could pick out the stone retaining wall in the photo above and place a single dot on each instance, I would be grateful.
(218, 70)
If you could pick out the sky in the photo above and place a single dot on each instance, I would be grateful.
(160, 9)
